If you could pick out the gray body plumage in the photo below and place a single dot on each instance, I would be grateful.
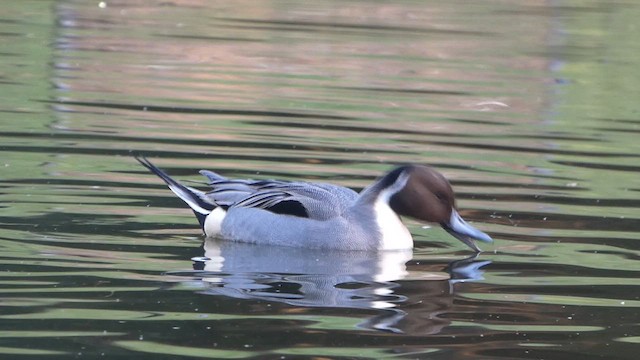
(336, 217)
(320, 200)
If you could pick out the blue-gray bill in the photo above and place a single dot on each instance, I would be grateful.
(465, 232)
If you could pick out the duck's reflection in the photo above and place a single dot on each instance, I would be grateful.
(336, 279)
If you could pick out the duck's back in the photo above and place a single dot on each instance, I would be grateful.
(319, 201)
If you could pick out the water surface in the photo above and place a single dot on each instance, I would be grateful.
(530, 108)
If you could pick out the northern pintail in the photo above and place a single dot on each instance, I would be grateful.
(320, 215)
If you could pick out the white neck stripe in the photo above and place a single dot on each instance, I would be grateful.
(394, 235)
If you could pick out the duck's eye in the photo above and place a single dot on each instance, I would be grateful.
(440, 195)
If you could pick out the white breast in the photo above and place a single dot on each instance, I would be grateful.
(395, 235)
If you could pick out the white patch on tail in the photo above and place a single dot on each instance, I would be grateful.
(213, 222)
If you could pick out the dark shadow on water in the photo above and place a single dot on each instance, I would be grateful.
(334, 280)
(189, 110)
(342, 27)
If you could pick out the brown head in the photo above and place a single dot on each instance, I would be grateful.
(428, 196)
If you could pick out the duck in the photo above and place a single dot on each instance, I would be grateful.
(320, 215)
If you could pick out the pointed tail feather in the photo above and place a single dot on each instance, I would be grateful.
(196, 199)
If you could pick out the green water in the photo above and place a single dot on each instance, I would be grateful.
(530, 109)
